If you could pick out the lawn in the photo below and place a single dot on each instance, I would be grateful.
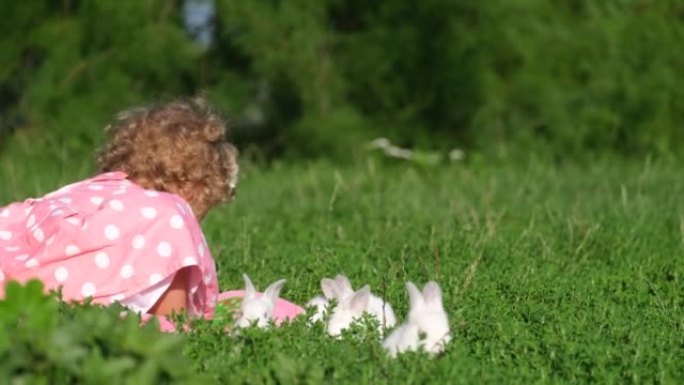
(567, 273)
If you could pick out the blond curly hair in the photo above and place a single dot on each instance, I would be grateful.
(178, 147)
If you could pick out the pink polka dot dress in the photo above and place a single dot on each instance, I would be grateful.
(109, 239)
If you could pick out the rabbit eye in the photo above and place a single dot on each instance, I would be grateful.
(265, 314)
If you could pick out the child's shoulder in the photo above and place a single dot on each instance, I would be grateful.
(116, 192)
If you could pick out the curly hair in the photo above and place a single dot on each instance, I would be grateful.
(178, 147)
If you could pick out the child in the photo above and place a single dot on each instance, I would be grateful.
(131, 233)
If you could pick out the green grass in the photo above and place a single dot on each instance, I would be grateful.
(551, 274)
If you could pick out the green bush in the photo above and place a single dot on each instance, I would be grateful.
(45, 341)
(311, 77)
(583, 75)
(564, 77)
(72, 65)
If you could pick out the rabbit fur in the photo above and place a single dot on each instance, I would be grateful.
(256, 310)
(427, 326)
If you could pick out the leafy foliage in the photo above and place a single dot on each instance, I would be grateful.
(550, 273)
(311, 77)
(76, 64)
(44, 341)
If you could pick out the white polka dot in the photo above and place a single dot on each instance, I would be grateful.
(97, 200)
(2, 275)
(138, 242)
(116, 205)
(117, 298)
(11, 248)
(119, 192)
(71, 250)
(126, 183)
(50, 240)
(57, 213)
(102, 260)
(88, 289)
(22, 257)
(126, 271)
(31, 263)
(31, 221)
(95, 187)
(164, 249)
(61, 274)
(39, 235)
(200, 249)
(155, 278)
(176, 222)
(73, 221)
(208, 278)
(65, 200)
(148, 212)
(4, 213)
(189, 261)
(151, 193)
(5, 235)
(111, 232)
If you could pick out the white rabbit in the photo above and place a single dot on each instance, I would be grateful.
(255, 309)
(426, 317)
(322, 302)
(377, 306)
(348, 310)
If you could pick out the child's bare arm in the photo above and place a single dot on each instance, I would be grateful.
(175, 298)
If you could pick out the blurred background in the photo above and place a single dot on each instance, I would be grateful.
(311, 78)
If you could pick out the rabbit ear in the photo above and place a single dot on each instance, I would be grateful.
(432, 293)
(329, 288)
(359, 302)
(273, 290)
(415, 297)
(250, 291)
(344, 286)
